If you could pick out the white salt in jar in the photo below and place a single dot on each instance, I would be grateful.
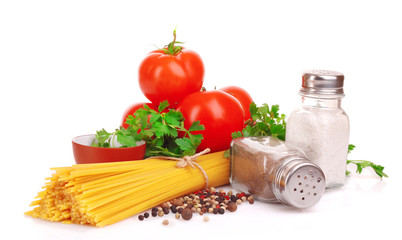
(320, 127)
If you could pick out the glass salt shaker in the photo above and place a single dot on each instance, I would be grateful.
(320, 127)
(272, 172)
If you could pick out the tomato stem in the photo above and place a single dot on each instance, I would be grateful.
(171, 49)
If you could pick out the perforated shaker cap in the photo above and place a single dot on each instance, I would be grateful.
(322, 82)
(299, 183)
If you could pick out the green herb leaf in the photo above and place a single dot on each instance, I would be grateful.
(196, 126)
(159, 130)
(360, 164)
(264, 122)
(237, 134)
(351, 147)
(173, 118)
(127, 140)
(185, 145)
(162, 106)
(101, 138)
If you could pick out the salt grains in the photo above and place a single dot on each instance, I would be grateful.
(320, 127)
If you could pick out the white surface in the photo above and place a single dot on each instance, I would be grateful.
(69, 68)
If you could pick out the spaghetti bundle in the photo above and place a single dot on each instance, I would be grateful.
(100, 194)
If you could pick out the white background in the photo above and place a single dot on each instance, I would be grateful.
(69, 68)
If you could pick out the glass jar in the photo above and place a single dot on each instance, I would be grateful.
(320, 127)
(272, 172)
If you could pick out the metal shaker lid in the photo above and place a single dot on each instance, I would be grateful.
(299, 183)
(322, 82)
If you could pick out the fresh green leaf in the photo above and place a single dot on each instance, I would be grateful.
(127, 140)
(102, 137)
(274, 111)
(184, 144)
(265, 121)
(162, 106)
(253, 111)
(173, 118)
(351, 147)
(237, 134)
(196, 126)
(164, 130)
(155, 117)
(361, 164)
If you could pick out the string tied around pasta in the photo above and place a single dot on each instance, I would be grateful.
(188, 160)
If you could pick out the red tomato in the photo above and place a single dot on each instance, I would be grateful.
(131, 110)
(243, 97)
(219, 112)
(170, 77)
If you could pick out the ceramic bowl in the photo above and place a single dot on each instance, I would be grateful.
(85, 153)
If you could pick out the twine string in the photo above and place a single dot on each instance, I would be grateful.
(188, 160)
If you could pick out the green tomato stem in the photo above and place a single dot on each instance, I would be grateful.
(171, 49)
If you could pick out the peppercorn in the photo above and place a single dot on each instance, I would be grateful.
(154, 214)
(215, 211)
(165, 222)
(165, 210)
(180, 210)
(232, 206)
(164, 205)
(187, 214)
(221, 211)
(251, 201)
(154, 209)
(177, 215)
(161, 214)
(206, 218)
(146, 215)
(177, 202)
(173, 209)
(141, 217)
(239, 201)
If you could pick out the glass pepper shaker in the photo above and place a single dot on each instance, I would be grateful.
(320, 127)
(272, 172)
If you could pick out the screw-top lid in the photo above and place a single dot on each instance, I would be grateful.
(299, 183)
(322, 82)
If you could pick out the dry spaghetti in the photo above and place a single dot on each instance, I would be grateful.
(104, 193)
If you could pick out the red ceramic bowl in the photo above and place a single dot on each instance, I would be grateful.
(85, 153)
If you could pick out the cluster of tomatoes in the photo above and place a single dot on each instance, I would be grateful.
(176, 74)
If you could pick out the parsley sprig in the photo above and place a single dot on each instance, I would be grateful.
(160, 132)
(265, 121)
(360, 164)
